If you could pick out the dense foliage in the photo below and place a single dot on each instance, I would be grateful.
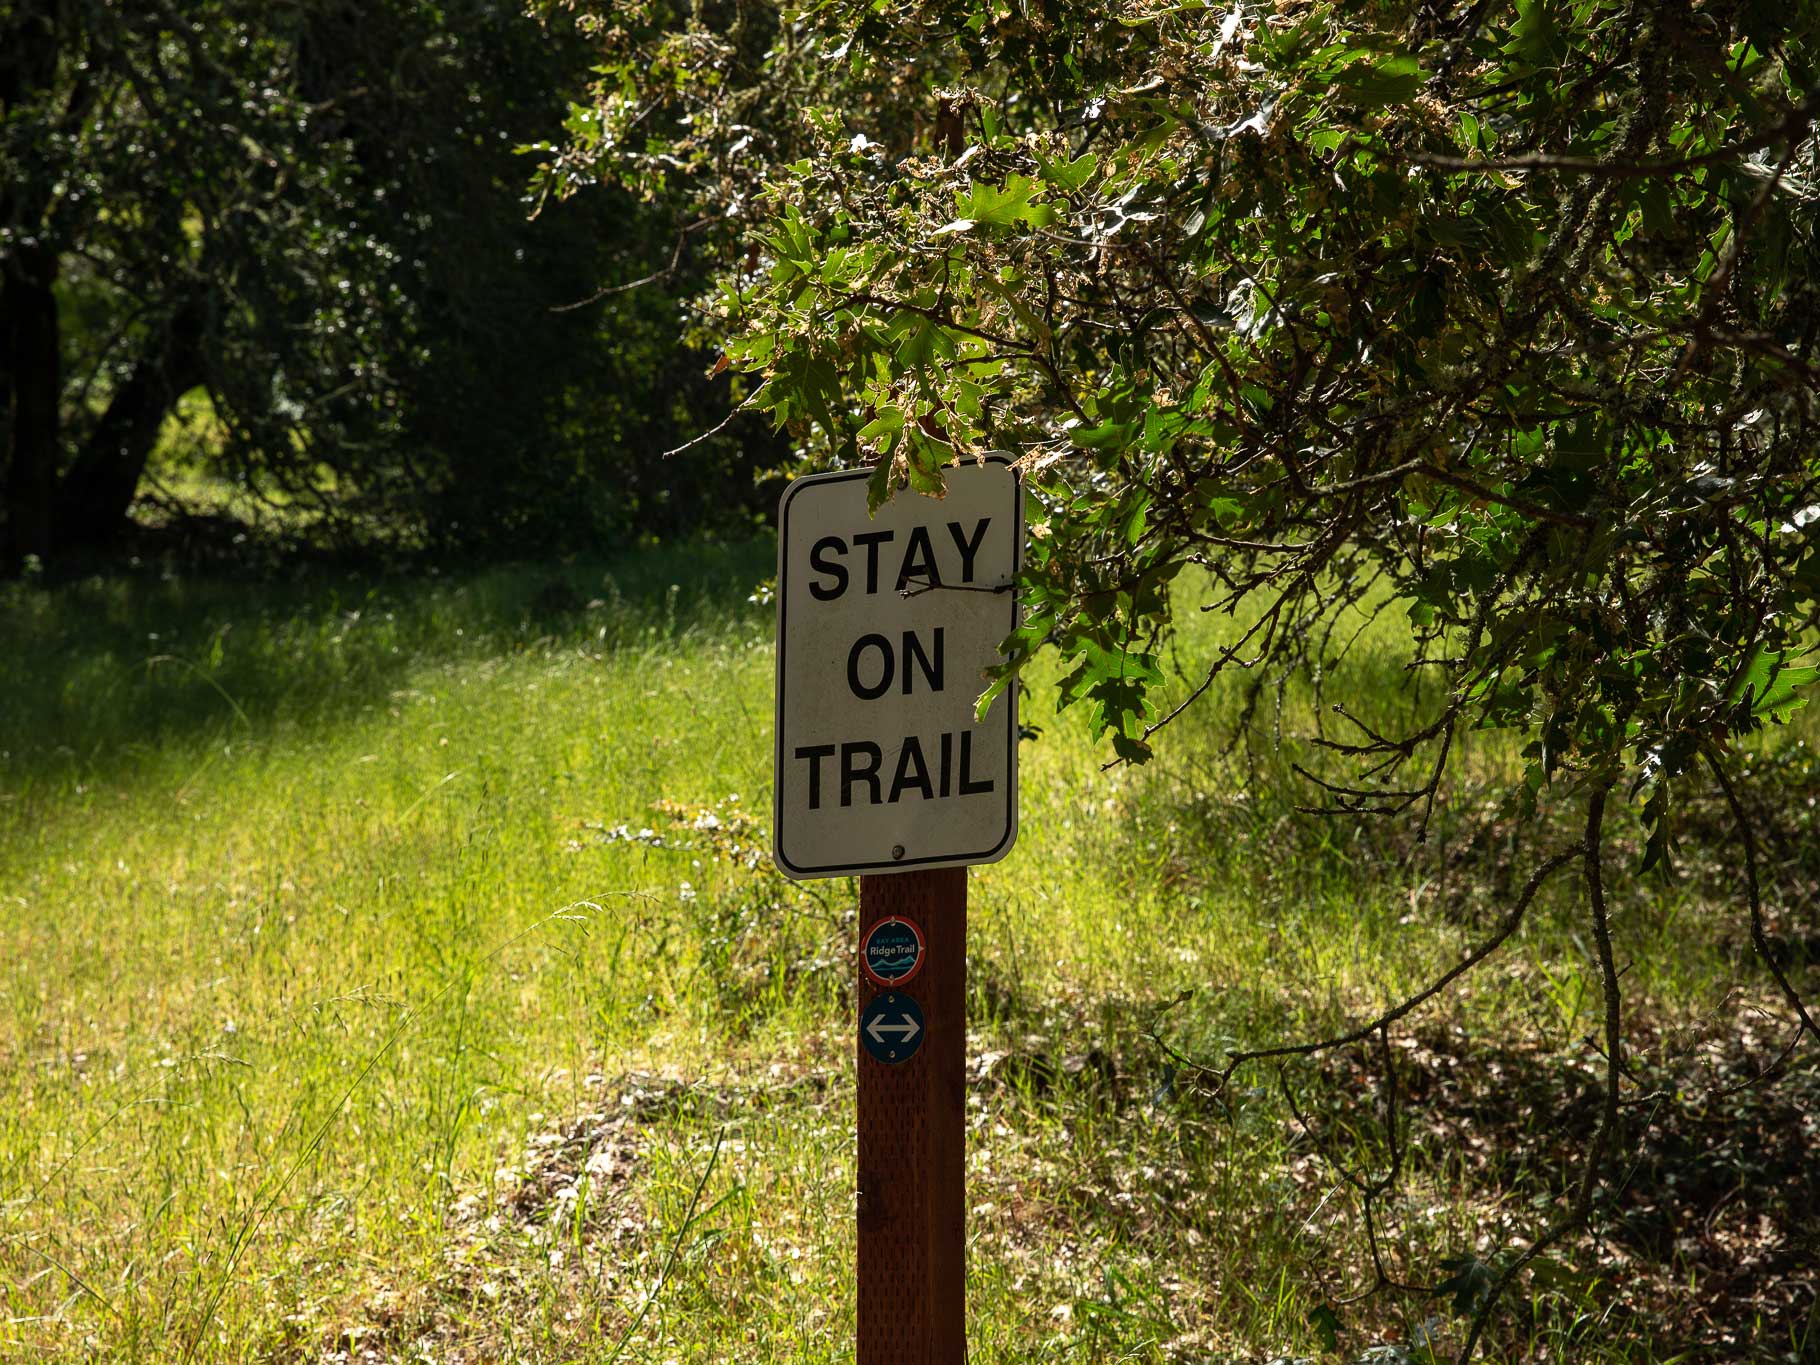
(314, 216)
(1503, 316)
(1509, 311)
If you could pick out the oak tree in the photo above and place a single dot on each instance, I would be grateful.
(1498, 317)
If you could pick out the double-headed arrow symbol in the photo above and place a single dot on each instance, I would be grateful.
(905, 1031)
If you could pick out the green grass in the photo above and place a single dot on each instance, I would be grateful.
(372, 982)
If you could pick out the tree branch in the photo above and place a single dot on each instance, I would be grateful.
(1505, 929)
(1747, 834)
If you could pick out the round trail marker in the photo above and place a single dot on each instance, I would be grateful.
(892, 951)
(891, 1027)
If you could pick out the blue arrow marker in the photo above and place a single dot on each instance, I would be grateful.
(904, 1031)
(891, 1027)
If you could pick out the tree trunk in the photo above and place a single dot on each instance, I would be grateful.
(93, 497)
(31, 368)
(31, 339)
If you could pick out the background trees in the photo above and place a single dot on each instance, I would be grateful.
(1500, 318)
(314, 215)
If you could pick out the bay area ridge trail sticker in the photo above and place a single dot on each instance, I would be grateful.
(886, 626)
(892, 951)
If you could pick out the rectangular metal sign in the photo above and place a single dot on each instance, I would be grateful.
(885, 626)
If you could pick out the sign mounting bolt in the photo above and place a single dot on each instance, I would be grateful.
(897, 851)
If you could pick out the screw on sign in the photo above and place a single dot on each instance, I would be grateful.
(886, 625)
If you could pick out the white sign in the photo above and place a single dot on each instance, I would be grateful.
(885, 627)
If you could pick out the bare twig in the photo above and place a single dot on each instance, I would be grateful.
(711, 432)
(682, 237)
(1591, 851)
(1759, 937)
(1508, 926)
(1789, 127)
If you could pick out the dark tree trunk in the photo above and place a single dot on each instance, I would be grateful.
(9, 559)
(93, 497)
(31, 352)
(31, 370)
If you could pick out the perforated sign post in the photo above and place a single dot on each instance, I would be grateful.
(885, 627)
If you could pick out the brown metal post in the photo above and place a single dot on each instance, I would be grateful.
(912, 1138)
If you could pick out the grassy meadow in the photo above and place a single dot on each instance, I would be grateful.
(391, 969)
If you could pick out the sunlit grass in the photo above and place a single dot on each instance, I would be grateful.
(371, 982)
